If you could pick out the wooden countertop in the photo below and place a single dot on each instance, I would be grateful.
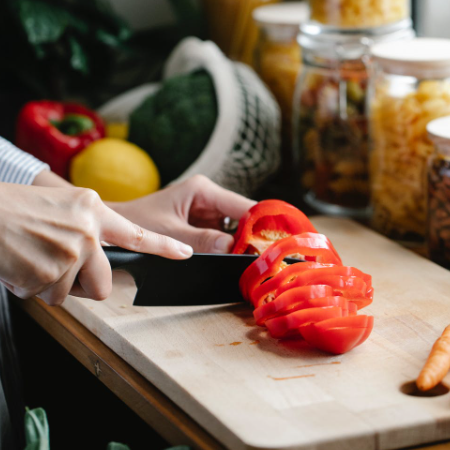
(155, 408)
(142, 397)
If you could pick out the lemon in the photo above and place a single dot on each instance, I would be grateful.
(116, 130)
(116, 169)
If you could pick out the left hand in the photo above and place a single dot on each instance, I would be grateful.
(191, 211)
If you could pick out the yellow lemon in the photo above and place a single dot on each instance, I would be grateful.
(116, 169)
(117, 130)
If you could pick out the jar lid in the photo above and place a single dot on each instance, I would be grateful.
(419, 57)
(350, 43)
(283, 14)
(439, 130)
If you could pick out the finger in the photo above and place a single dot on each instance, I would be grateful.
(56, 293)
(205, 240)
(117, 230)
(228, 203)
(94, 277)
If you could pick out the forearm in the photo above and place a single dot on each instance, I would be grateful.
(49, 179)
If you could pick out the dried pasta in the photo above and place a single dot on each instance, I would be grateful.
(359, 13)
(279, 65)
(400, 149)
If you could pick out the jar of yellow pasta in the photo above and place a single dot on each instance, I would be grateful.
(411, 87)
(359, 13)
(330, 119)
(277, 60)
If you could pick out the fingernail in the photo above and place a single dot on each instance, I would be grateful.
(186, 250)
(223, 244)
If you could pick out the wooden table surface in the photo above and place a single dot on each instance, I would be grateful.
(140, 395)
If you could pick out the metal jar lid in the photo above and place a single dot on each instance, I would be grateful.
(350, 43)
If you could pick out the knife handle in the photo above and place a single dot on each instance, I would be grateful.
(120, 258)
(132, 262)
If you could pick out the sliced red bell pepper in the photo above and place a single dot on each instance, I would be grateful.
(266, 222)
(302, 274)
(55, 132)
(317, 299)
(310, 246)
(352, 287)
(338, 335)
(289, 324)
(266, 291)
(290, 301)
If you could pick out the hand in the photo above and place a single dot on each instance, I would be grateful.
(50, 237)
(191, 211)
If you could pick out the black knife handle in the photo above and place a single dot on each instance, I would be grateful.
(120, 258)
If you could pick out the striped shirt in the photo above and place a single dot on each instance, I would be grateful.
(17, 166)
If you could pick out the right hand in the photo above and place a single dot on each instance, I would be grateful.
(50, 242)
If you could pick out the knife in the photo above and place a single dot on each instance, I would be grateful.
(203, 279)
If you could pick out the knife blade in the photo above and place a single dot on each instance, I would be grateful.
(203, 279)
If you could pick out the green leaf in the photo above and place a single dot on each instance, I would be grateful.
(36, 430)
(41, 21)
(117, 446)
(78, 59)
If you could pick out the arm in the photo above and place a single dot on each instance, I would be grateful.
(50, 237)
(191, 211)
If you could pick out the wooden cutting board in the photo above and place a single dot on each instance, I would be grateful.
(251, 391)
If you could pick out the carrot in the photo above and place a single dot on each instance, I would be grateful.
(438, 363)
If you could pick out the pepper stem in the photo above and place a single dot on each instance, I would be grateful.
(73, 124)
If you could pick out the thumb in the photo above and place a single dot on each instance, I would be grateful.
(205, 240)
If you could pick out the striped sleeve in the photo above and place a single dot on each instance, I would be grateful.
(17, 166)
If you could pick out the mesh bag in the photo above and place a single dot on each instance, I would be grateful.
(244, 149)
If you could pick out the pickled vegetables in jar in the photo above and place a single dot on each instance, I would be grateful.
(359, 13)
(333, 136)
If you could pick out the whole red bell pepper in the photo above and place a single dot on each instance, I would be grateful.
(55, 132)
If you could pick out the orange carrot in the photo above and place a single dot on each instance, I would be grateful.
(438, 363)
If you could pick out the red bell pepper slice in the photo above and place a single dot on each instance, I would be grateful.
(352, 287)
(310, 246)
(291, 301)
(289, 324)
(338, 335)
(266, 291)
(297, 275)
(55, 132)
(266, 222)
(287, 304)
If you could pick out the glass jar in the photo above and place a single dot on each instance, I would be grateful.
(330, 115)
(359, 13)
(411, 88)
(438, 206)
(277, 60)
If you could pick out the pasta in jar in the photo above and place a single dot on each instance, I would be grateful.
(359, 13)
(278, 61)
(402, 107)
